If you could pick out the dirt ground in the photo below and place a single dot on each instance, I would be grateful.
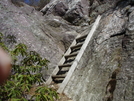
(62, 97)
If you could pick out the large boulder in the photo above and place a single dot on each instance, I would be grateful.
(75, 12)
(56, 8)
(78, 12)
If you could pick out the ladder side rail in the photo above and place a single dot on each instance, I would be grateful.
(78, 57)
(49, 80)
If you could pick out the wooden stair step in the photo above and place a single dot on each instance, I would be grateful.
(71, 55)
(58, 76)
(75, 50)
(81, 37)
(76, 46)
(65, 65)
(64, 70)
(69, 60)
(58, 80)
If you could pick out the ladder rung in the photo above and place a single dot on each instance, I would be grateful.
(76, 46)
(58, 76)
(58, 80)
(71, 55)
(64, 70)
(69, 60)
(81, 37)
(65, 65)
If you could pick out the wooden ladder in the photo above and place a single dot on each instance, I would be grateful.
(64, 70)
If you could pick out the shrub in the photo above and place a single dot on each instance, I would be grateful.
(25, 74)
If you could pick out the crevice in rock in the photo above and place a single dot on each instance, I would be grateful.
(114, 35)
(111, 86)
(122, 3)
(118, 34)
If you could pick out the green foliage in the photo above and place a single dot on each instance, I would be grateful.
(11, 39)
(26, 72)
(2, 43)
(41, 94)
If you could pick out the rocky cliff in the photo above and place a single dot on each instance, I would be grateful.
(107, 72)
(48, 35)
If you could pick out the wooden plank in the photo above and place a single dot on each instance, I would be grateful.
(58, 79)
(71, 55)
(76, 46)
(81, 37)
(65, 65)
(78, 57)
(58, 76)
(54, 73)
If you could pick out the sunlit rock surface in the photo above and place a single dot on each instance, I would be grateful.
(73, 11)
(106, 72)
(46, 35)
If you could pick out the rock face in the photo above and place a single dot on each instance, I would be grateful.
(107, 74)
(75, 12)
(107, 70)
(45, 35)
(81, 11)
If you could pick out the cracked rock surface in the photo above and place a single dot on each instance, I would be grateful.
(106, 72)
(109, 72)
(45, 35)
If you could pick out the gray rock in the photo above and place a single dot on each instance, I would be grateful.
(68, 38)
(39, 33)
(55, 8)
(76, 12)
(131, 21)
(106, 72)
(60, 9)
(131, 9)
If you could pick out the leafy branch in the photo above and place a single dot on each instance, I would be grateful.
(26, 73)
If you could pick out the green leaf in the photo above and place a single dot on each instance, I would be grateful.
(26, 71)
(14, 99)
